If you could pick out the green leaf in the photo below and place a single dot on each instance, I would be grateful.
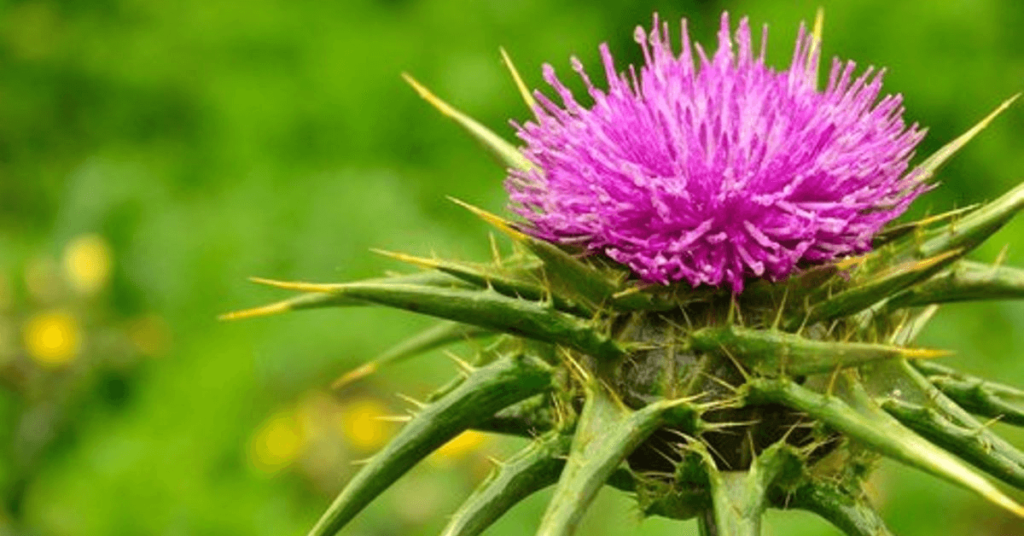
(504, 152)
(965, 281)
(605, 434)
(436, 336)
(775, 353)
(857, 416)
(483, 308)
(532, 469)
(483, 393)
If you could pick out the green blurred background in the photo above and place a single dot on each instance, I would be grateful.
(155, 154)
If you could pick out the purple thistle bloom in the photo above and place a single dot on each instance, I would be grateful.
(721, 171)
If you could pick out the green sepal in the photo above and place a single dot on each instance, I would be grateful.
(857, 416)
(440, 334)
(532, 469)
(606, 433)
(964, 281)
(483, 308)
(774, 353)
(486, 391)
(513, 285)
(849, 511)
(503, 151)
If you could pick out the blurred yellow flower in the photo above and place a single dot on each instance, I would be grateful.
(277, 443)
(52, 338)
(458, 448)
(362, 423)
(87, 263)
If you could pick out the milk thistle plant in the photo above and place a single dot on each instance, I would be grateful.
(708, 306)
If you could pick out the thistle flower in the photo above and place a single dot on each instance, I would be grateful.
(719, 171)
(706, 403)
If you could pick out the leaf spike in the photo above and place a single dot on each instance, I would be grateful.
(464, 367)
(421, 262)
(926, 169)
(412, 401)
(300, 286)
(264, 310)
(531, 103)
(488, 390)
(503, 151)
(494, 220)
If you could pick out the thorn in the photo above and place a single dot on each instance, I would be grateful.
(498, 222)
(464, 367)
(356, 374)
(495, 251)
(523, 90)
(421, 262)
(411, 400)
(264, 310)
(782, 307)
(297, 285)
(393, 418)
(428, 96)
(1000, 258)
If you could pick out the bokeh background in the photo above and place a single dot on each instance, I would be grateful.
(155, 154)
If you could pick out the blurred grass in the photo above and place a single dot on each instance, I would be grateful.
(208, 141)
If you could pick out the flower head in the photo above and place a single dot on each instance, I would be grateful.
(717, 171)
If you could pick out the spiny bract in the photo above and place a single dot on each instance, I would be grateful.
(703, 402)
